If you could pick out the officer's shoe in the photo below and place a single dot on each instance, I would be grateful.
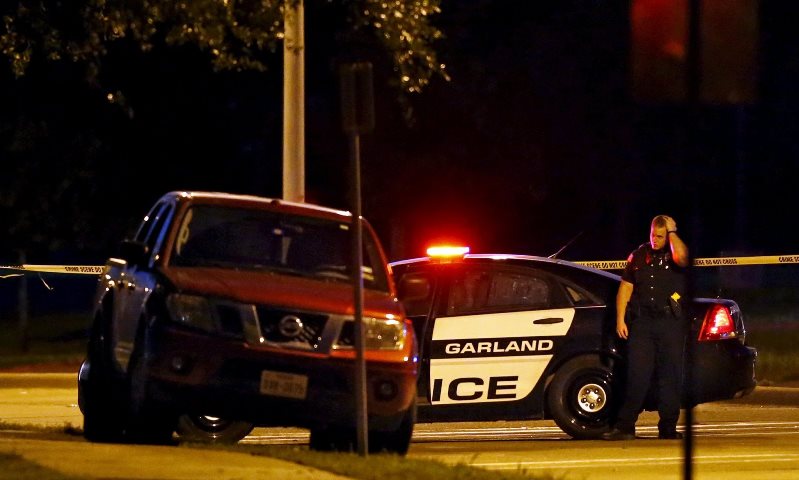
(670, 436)
(616, 434)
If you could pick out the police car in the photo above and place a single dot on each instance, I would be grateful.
(506, 337)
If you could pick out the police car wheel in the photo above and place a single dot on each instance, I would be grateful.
(580, 397)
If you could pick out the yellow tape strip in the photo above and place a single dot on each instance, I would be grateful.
(599, 264)
(605, 265)
(706, 262)
(79, 269)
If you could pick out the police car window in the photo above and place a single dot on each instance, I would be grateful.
(418, 306)
(579, 297)
(468, 292)
(509, 289)
(483, 290)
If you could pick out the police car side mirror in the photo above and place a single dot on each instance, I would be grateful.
(413, 288)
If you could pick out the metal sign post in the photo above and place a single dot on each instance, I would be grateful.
(357, 114)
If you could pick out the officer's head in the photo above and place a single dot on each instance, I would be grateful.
(657, 232)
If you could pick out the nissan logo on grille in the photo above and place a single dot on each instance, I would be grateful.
(290, 326)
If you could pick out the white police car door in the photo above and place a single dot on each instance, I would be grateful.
(494, 337)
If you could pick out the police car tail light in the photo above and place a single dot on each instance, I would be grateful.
(445, 253)
(718, 324)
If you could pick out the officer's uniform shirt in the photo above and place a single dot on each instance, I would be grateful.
(656, 279)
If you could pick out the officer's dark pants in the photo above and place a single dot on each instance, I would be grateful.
(655, 345)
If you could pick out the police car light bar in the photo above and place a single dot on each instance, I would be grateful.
(447, 251)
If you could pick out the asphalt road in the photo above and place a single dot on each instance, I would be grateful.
(748, 438)
(731, 442)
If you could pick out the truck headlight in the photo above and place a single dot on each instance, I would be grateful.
(192, 311)
(382, 334)
(379, 334)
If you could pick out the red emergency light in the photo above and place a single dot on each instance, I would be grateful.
(447, 252)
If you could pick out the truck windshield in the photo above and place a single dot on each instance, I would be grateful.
(239, 238)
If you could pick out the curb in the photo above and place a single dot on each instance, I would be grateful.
(39, 380)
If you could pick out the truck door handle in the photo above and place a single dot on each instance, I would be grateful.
(547, 321)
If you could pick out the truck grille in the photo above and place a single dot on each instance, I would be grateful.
(291, 328)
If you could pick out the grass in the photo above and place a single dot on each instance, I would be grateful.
(52, 339)
(772, 322)
(777, 357)
(14, 467)
(382, 466)
(350, 465)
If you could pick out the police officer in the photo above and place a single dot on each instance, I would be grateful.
(649, 315)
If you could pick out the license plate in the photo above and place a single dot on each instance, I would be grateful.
(282, 384)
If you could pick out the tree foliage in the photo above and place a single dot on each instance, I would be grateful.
(235, 34)
(57, 136)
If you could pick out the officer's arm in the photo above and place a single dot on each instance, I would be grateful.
(679, 251)
(622, 299)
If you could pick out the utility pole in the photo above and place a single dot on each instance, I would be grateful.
(294, 101)
(693, 91)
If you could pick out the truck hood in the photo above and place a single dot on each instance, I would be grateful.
(268, 288)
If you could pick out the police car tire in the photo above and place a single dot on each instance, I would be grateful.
(563, 397)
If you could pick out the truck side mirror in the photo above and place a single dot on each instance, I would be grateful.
(413, 288)
(133, 252)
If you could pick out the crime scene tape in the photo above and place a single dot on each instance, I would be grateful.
(79, 269)
(598, 264)
(706, 262)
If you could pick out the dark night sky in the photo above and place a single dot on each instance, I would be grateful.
(534, 140)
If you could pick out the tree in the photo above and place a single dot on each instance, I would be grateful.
(87, 38)
(235, 34)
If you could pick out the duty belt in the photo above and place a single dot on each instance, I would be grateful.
(655, 310)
